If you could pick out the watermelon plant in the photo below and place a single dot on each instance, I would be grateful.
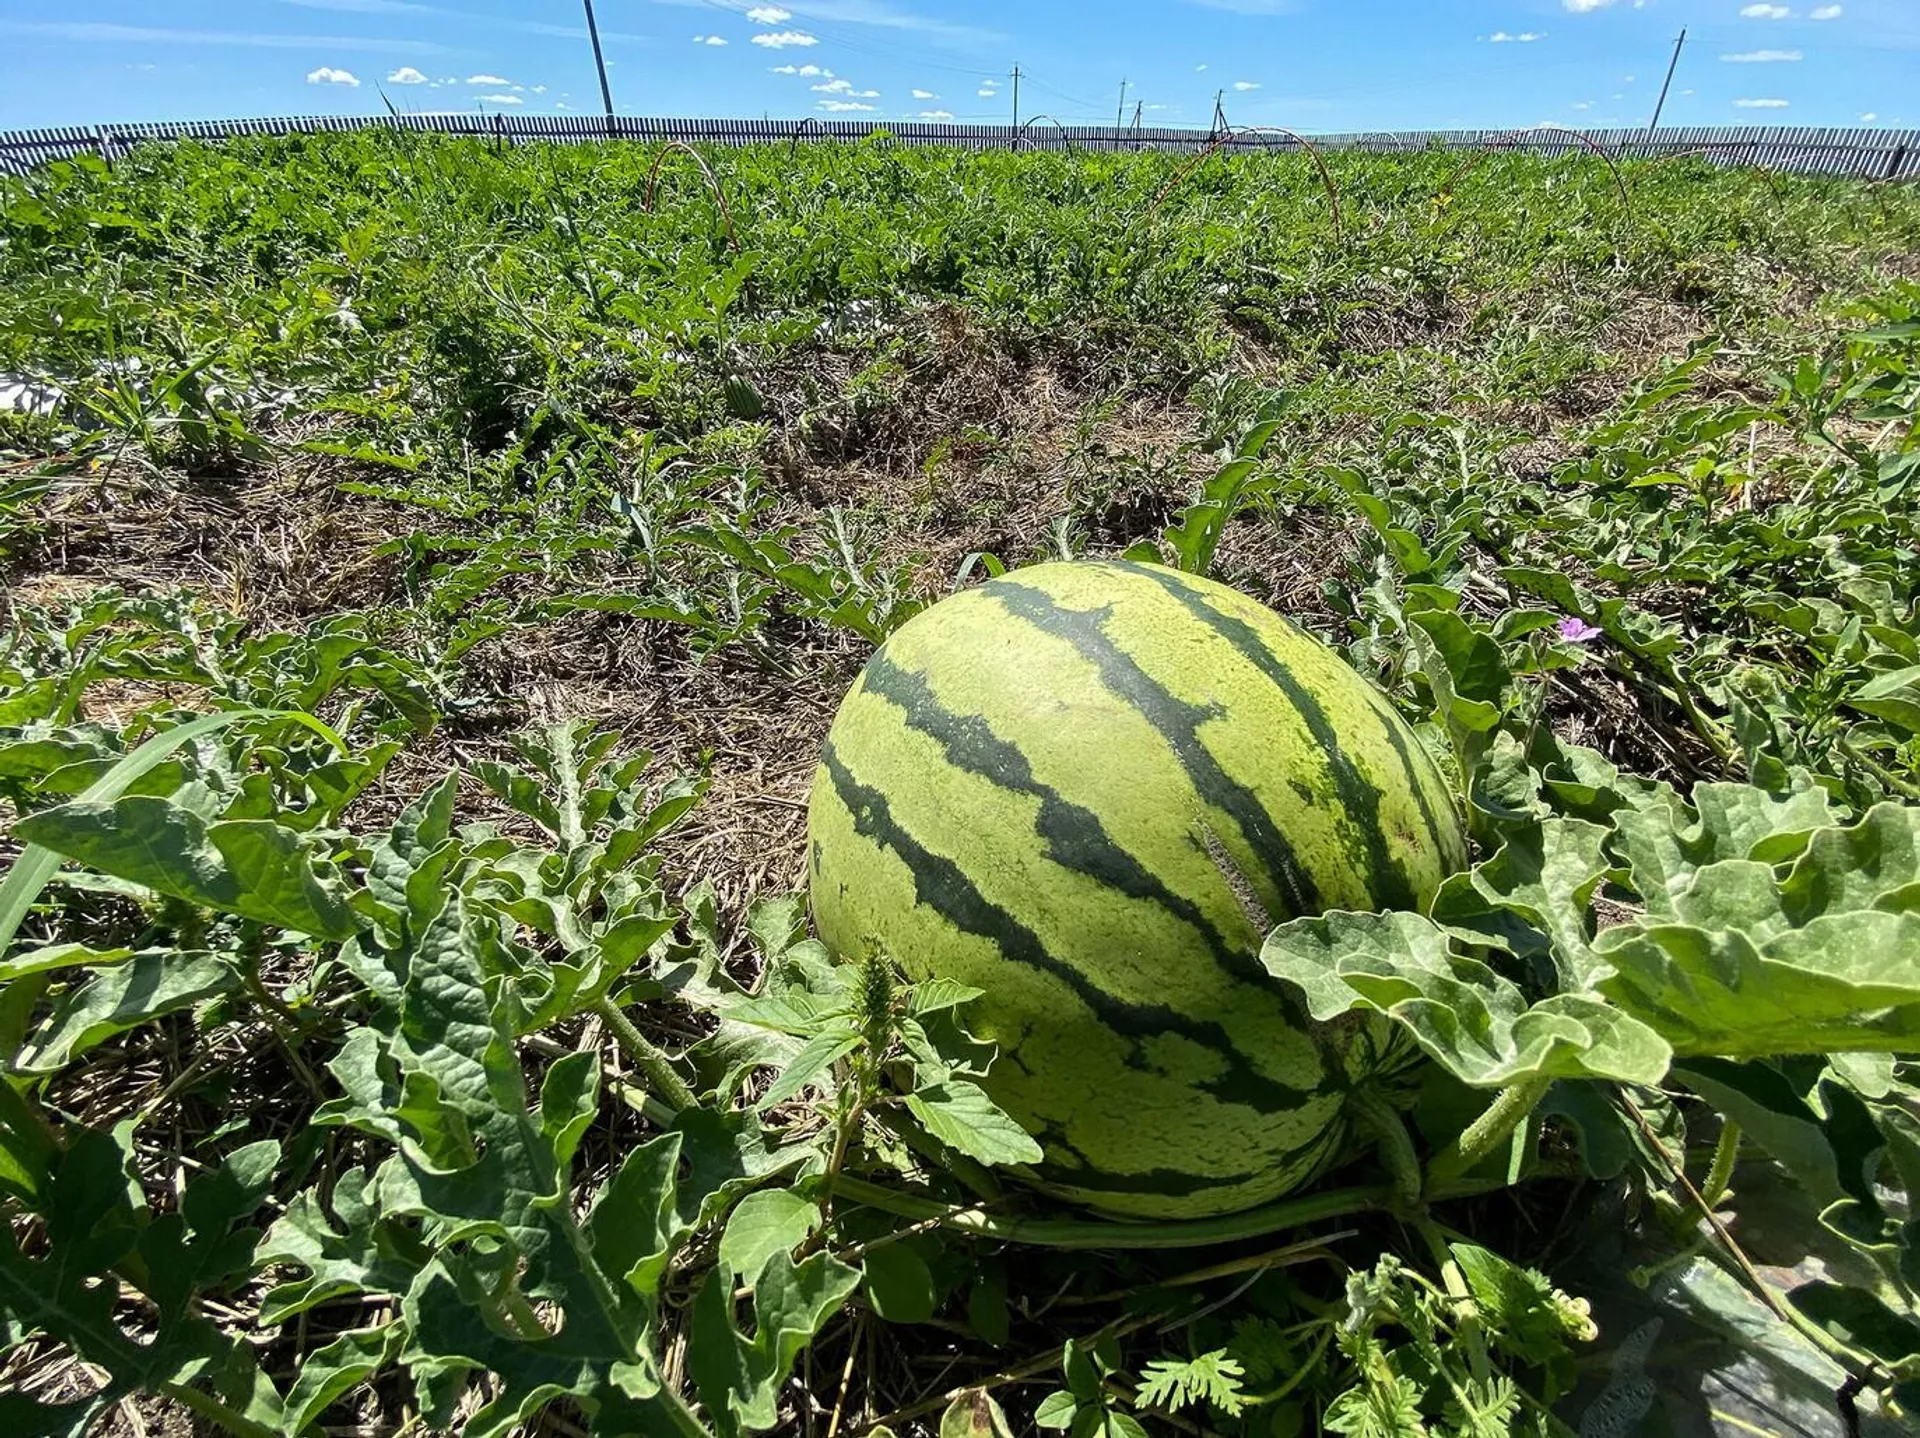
(1364, 879)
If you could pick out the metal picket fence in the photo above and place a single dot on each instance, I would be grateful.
(1865, 153)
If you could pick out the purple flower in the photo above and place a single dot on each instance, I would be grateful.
(1577, 631)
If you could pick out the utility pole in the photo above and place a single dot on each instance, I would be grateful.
(1672, 65)
(1016, 97)
(600, 64)
(1120, 112)
(1219, 113)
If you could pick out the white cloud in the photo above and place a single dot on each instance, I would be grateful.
(768, 14)
(327, 75)
(487, 80)
(925, 95)
(1198, 68)
(1586, 7)
(1827, 12)
(936, 115)
(502, 100)
(984, 94)
(1583, 105)
(1246, 85)
(1525, 37)
(539, 89)
(806, 70)
(835, 87)
(781, 39)
(1868, 118)
(841, 107)
(1762, 104)
(709, 39)
(406, 75)
(1765, 12)
(1762, 57)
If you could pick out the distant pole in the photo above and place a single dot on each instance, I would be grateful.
(600, 64)
(1219, 113)
(1119, 114)
(1016, 97)
(1672, 65)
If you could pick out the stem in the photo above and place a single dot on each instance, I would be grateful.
(1879, 771)
(648, 1058)
(1726, 1153)
(1381, 1119)
(1487, 1132)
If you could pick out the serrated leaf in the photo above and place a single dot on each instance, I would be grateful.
(816, 1056)
(1468, 1018)
(960, 1114)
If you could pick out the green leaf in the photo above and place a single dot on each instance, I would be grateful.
(1863, 1322)
(331, 1372)
(150, 986)
(36, 864)
(1212, 1378)
(1545, 875)
(61, 956)
(960, 1114)
(1056, 1410)
(250, 867)
(817, 1056)
(899, 1284)
(1848, 982)
(774, 1220)
(739, 1378)
(1735, 821)
(1468, 1018)
(1893, 697)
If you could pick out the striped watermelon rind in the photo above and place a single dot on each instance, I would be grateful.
(1089, 789)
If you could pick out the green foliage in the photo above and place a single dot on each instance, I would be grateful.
(370, 1059)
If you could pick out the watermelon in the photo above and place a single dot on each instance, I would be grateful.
(1089, 789)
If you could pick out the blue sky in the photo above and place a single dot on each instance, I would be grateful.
(1312, 65)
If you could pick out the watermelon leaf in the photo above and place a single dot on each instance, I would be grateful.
(1470, 1019)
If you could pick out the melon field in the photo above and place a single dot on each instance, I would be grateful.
(432, 571)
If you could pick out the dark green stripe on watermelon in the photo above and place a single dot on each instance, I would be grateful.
(1359, 800)
(1391, 726)
(940, 884)
(1075, 837)
(1178, 722)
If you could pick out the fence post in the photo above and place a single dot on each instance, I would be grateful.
(1894, 161)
